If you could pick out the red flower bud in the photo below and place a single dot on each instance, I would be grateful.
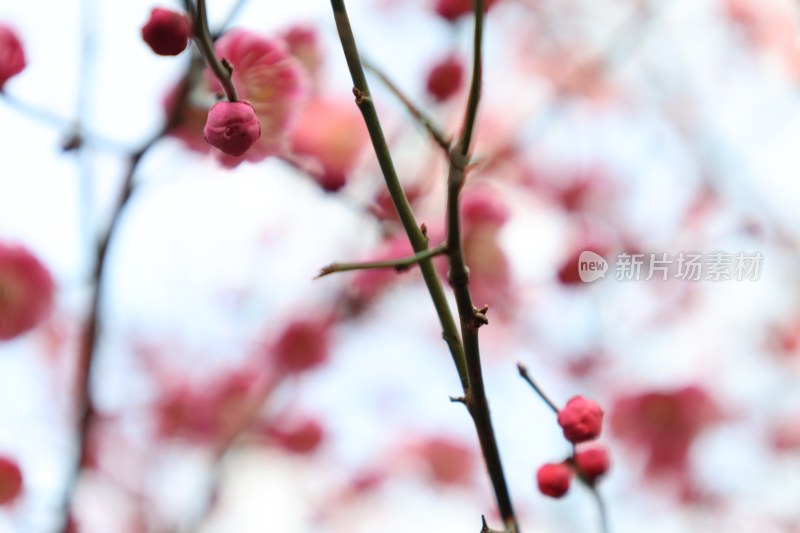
(26, 291)
(554, 479)
(452, 10)
(232, 127)
(12, 56)
(10, 480)
(581, 420)
(445, 79)
(167, 32)
(592, 462)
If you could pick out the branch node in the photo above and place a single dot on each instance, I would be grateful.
(479, 316)
(228, 66)
(360, 95)
(458, 399)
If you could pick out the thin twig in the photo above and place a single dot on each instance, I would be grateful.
(222, 69)
(418, 240)
(77, 134)
(603, 510)
(401, 264)
(232, 14)
(524, 373)
(424, 120)
(91, 335)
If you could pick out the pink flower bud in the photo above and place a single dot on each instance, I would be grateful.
(12, 56)
(592, 462)
(445, 79)
(232, 127)
(581, 420)
(167, 32)
(10, 480)
(554, 479)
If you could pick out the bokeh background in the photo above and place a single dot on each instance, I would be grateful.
(634, 125)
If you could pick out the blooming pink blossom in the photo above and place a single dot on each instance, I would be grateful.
(581, 420)
(267, 76)
(26, 291)
(448, 462)
(664, 424)
(10, 480)
(333, 134)
(303, 43)
(12, 55)
(207, 412)
(232, 127)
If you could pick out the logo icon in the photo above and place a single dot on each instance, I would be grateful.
(591, 266)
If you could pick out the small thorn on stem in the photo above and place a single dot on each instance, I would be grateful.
(485, 527)
(458, 399)
(228, 66)
(479, 315)
(424, 229)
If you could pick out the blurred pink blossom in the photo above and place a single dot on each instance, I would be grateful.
(12, 55)
(302, 346)
(664, 424)
(332, 133)
(26, 291)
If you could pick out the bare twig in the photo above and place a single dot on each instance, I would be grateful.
(424, 120)
(89, 341)
(524, 373)
(401, 264)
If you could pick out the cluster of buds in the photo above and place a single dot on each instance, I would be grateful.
(581, 420)
(232, 126)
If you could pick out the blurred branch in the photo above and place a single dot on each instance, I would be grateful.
(424, 120)
(232, 14)
(524, 373)
(397, 264)
(419, 241)
(624, 40)
(601, 507)
(90, 339)
(76, 134)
